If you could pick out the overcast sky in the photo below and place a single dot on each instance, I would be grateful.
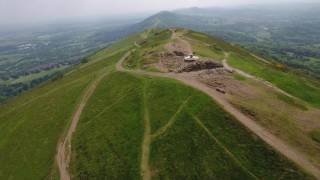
(27, 11)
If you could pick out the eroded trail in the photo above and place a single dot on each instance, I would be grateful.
(171, 121)
(275, 142)
(179, 44)
(63, 156)
(64, 148)
(145, 169)
(226, 150)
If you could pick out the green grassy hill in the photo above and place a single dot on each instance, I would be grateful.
(134, 122)
(32, 124)
(202, 141)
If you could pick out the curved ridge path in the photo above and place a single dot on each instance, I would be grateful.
(278, 144)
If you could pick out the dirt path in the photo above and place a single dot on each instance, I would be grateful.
(171, 120)
(278, 144)
(242, 73)
(145, 169)
(260, 58)
(64, 148)
(179, 44)
(63, 156)
(226, 150)
(136, 44)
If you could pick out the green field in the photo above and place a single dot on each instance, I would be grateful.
(108, 139)
(208, 51)
(294, 84)
(107, 144)
(32, 124)
(203, 48)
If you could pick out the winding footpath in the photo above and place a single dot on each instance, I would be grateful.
(275, 142)
(171, 121)
(144, 166)
(63, 155)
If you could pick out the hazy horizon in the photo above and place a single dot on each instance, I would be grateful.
(17, 12)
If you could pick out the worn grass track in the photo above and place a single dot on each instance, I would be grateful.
(171, 121)
(145, 169)
(64, 148)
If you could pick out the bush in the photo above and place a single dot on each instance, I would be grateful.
(315, 135)
(57, 75)
(84, 61)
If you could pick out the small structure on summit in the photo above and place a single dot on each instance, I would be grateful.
(191, 58)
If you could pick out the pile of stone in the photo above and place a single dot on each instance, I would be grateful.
(199, 65)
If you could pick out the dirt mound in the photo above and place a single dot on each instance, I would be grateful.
(179, 53)
(199, 65)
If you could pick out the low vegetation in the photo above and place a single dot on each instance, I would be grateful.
(202, 49)
(31, 126)
(315, 134)
(203, 134)
(154, 44)
(295, 84)
(32, 123)
(289, 118)
(192, 137)
(108, 141)
(290, 82)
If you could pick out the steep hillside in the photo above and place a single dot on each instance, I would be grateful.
(32, 124)
(137, 110)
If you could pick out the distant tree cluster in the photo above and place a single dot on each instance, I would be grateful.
(7, 91)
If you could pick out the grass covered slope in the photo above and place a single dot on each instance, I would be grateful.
(292, 83)
(154, 43)
(31, 125)
(191, 136)
(130, 124)
(108, 139)
(201, 133)
(30, 132)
